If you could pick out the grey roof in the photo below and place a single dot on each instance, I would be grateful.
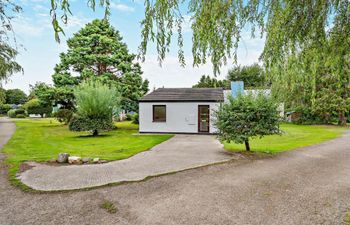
(185, 95)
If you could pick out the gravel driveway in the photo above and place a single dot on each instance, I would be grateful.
(305, 186)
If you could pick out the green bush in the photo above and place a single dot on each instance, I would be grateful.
(128, 117)
(64, 115)
(11, 113)
(93, 125)
(95, 105)
(245, 117)
(135, 118)
(14, 112)
(21, 116)
(4, 108)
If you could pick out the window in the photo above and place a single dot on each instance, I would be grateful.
(159, 113)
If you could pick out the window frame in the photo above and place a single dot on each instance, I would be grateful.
(153, 114)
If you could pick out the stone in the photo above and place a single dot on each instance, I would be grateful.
(86, 160)
(74, 160)
(95, 160)
(63, 157)
(103, 161)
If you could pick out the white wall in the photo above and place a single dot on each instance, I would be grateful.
(181, 117)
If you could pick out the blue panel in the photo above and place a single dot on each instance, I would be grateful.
(237, 87)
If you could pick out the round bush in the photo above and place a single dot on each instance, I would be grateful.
(11, 113)
(135, 118)
(93, 125)
(21, 116)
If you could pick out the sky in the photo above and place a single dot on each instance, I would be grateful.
(40, 51)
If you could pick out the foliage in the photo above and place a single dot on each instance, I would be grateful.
(318, 76)
(245, 117)
(207, 82)
(15, 96)
(21, 116)
(14, 112)
(217, 25)
(11, 113)
(253, 76)
(4, 108)
(135, 119)
(293, 136)
(95, 105)
(35, 106)
(43, 92)
(8, 65)
(94, 125)
(128, 117)
(42, 139)
(2, 96)
(64, 115)
(97, 51)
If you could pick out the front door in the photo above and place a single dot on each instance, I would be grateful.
(203, 118)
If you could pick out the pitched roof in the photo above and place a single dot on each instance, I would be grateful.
(185, 95)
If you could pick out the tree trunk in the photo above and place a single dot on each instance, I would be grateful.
(247, 146)
(95, 133)
(341, 119)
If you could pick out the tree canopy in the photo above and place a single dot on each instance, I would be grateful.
(247, 116)
(15, 96)
(207, 82)
(97, 51)
(253, 75)
(218, 25)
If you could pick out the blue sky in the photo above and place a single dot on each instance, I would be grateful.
(40, 51)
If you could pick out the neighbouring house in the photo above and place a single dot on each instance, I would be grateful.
(184, 110)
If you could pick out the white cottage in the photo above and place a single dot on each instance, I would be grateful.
(179, 110)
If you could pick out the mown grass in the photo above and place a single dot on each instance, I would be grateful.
(42, 139)
(293, 136)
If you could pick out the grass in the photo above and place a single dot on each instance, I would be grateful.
(294, 136)
(109, 207)
(42, 139)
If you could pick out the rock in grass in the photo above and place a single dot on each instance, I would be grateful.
(63, 157)
(74, 160)
(95, 160)
(86, 160)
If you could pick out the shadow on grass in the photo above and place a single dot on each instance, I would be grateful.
(92, 136)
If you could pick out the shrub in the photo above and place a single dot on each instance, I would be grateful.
(128, 117)
(64, 115)
(11, 113)
(93, 125)
(21, 116)
(14, 112)
(95, 105)
(245, 117)
(4, 108)
(34, 106)
(135, 118)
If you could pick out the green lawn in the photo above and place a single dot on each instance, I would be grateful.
(42, 139)
(294, 136)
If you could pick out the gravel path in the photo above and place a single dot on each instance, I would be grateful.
(305, 186)
(179, 153)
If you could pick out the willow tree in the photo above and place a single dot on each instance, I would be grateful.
(217, 25)
(8, 51)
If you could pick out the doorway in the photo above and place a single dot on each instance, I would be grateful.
(203, 118)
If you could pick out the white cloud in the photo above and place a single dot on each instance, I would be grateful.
(122, 7)
(171, 74)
